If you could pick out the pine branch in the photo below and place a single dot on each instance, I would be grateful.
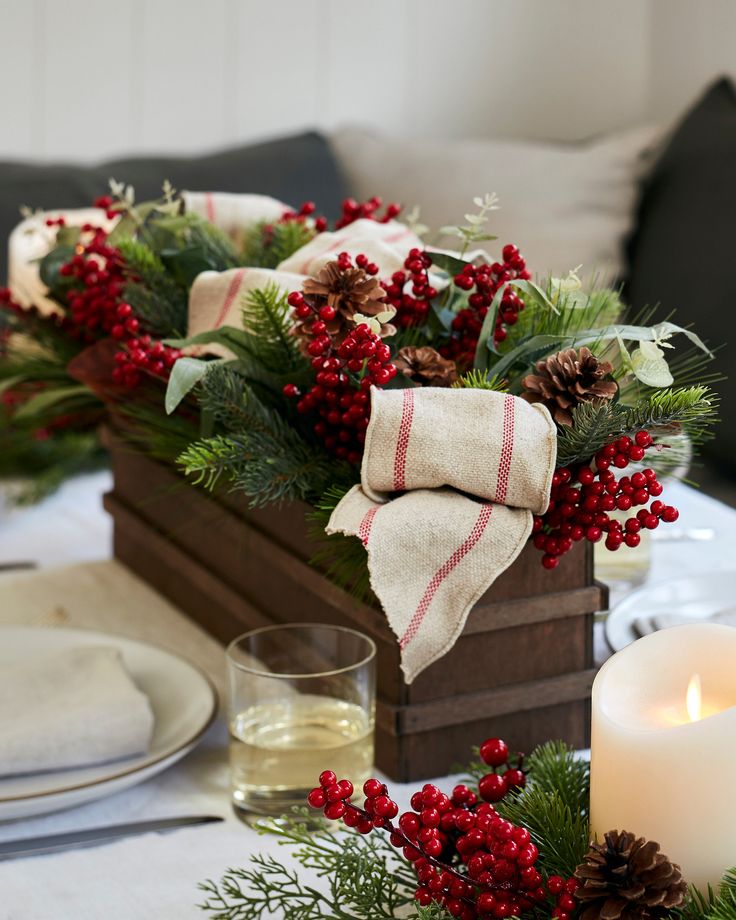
(359, 879)
(560, 833)
(480, 380)
(261, 454)
(151, 291)
(692, 410)
(267, 322)
(269, 244)
(340, 558)
(711, 905)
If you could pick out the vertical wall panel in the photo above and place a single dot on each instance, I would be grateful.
(182, 54)
(281, 52)
(365, 77)
(20, 86)
(88, 59)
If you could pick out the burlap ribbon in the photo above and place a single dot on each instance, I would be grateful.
(449, 482)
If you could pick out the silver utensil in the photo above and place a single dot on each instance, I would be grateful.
(94, 836)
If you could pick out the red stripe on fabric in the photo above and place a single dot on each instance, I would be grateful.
(507, 449)
(402, 442)
(441, 574)
(398, 236)
(364, 528)
(232, 293)
(209, 206)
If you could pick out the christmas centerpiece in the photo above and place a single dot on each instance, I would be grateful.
(436, 411)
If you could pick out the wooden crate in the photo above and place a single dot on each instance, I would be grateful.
(522, 668)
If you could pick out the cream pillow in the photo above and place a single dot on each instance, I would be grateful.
(563, 205)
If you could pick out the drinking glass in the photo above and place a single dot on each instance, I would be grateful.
(301, 700)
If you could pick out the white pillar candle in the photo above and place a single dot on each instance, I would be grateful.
(663, 760)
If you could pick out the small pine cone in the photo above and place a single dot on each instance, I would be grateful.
(627, 878)
(426, 366)
(566, 379)
(348, 291)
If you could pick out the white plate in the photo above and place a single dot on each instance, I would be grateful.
(184, 704)
(697, 597)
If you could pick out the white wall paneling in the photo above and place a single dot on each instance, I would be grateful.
(88, 80)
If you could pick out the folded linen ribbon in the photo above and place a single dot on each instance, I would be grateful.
(216, 298)
(433, 551)
(70, 709)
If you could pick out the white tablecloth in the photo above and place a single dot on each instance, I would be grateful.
(155, 877)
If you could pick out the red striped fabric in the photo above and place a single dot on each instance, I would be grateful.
(442, 573)
(335, 244)
(232, 293)
(364, 528)
(507, 450)
(402, 441)
(209, 206)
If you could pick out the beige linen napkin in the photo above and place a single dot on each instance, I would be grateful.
(232, 212)
(385, 244)
(216, 298)
(70, 709)
(433, 551)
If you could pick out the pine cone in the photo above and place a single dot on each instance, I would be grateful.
(627, 878)
(566, 379)
(348, 291)
(426, 366)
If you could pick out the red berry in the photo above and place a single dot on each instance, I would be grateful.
(494, 752)
(373, 787)
(334, 810)
(515, 778)
(492, 787)
(327, 778)
(316, 798)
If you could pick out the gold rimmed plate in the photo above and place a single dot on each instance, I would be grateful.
(182, 697)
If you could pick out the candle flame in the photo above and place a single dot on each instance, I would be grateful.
(694, 699)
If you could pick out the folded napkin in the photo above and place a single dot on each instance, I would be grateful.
(646, 625)
(433, 551)
(216, 298)
(70, 709)
(385, 244)
(234, 213)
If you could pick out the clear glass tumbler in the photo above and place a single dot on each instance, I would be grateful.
(301, 700)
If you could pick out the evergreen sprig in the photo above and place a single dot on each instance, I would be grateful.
(711, 905)
(357, 878)
(341, 558)
(480, 380)
(152, 292)
(267, 323)
(269, 244)
(692, 410)
(260, 453)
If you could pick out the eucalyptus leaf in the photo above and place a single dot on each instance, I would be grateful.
(537, 346)
(649, 365)
(185, 375)
(449, 263)
(48, 398)
(229, 336)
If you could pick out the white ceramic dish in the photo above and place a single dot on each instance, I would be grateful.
(184, 703)
(671, 603)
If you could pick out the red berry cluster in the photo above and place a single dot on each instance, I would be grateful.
(486, 279)
(143, 356)
(306, 210)
(353, 210)
(105, 203)
(345, 372)
(411, 302)
(466, 857)
(582, 500)
(98, 273)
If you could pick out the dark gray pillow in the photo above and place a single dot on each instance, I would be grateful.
(293, 169)
(681, 253)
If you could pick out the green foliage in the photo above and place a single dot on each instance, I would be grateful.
(480, 380)
(711, 905)
(152, 292)
(692, 410)
(555, 767)
(268, 244)
(358, 877)
(341, 558)
(267, 325)
(260, 454)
